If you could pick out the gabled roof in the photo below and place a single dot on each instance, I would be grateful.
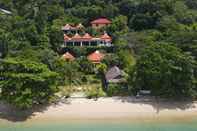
(66, 27)
(113, 74)
(101, 21)
(66, 38)
(68, 56)
(72, 27)
(87, 36)
(106, 37)
(79, 26)
(96, 57)
(76, 37)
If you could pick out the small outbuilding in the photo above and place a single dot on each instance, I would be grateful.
(114, 75)
(68, 56)
(96, 57)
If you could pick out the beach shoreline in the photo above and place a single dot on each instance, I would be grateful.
(113, 109)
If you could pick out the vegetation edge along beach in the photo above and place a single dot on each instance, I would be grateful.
(94, 59)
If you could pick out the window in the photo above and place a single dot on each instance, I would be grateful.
(69, 43)
(85, 43)
(77, 43)
(93, 43)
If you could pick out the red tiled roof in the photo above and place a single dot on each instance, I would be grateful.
(87, 36)
(66, 38)
(96, 57)
(68, 56)
(76, 37)
(101, 21)
(106, 37)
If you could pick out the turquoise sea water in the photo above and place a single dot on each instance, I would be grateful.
(101, 126)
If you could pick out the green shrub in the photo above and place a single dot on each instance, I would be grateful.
(116, 90)
(95, 92)
(86, 66)
(84, 51)
(84, 79)
(92, 79)
(65, 93)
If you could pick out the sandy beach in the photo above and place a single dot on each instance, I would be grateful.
(116, 108)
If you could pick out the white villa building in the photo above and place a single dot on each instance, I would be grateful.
(87, 40)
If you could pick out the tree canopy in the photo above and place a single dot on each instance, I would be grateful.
(166, 71)
(155, 41)
(26, 83)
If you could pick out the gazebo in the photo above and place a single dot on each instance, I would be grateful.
(68, 56)
(96, 57)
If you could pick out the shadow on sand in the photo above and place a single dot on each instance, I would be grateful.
(13, 114)
(10, 113)
(7, 112)
(159, 104)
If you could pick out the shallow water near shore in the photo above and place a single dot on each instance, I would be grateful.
(107, 114)
(190, 125)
